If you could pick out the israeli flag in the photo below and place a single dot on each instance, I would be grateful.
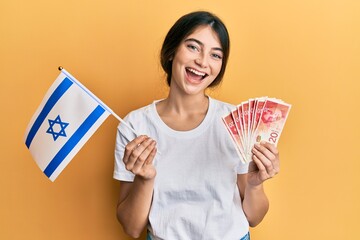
(66, 118)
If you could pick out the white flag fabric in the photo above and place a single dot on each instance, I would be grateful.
(66, 118)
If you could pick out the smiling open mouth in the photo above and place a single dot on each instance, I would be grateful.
(196, 75)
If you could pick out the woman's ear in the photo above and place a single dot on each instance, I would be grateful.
(171, 57)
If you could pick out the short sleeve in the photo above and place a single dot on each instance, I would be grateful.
(123, 136)
(242, 168)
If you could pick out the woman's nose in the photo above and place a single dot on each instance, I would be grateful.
(202, 61)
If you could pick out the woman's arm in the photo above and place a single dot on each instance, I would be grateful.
(255, 202)
(135, 197)
(265, 165)
(134, 205)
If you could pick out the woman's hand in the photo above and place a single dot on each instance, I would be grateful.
(265, 164)
(139, 155)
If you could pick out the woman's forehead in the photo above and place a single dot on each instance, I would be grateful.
(206, 35)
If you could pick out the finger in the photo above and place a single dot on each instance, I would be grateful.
(151, 156)
(271, 147)
(274, 158)
(138, 156)
(131, 146)
(264, 160)
(262, 148)
(263, 174)
(141, 159)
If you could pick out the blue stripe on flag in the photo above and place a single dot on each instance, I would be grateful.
(74, 140)
(55, 96)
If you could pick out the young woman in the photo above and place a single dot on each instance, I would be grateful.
(182, 178)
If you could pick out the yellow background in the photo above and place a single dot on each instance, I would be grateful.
(304, 52)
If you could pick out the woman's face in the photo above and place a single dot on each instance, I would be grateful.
(197, 61)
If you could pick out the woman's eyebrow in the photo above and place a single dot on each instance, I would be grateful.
(201, 44)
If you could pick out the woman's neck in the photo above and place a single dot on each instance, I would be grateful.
(183, 113)
(186, 104)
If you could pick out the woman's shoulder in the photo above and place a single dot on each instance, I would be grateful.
(136, 119)
(139, 113)
(221, 106)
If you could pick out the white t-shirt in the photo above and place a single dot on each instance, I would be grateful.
(195, 190)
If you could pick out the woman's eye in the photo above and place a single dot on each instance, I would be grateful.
(192, 47)
(217, 56)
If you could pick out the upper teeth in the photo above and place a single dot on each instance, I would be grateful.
(196, 72)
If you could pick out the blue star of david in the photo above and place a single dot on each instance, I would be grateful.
(62, 125)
